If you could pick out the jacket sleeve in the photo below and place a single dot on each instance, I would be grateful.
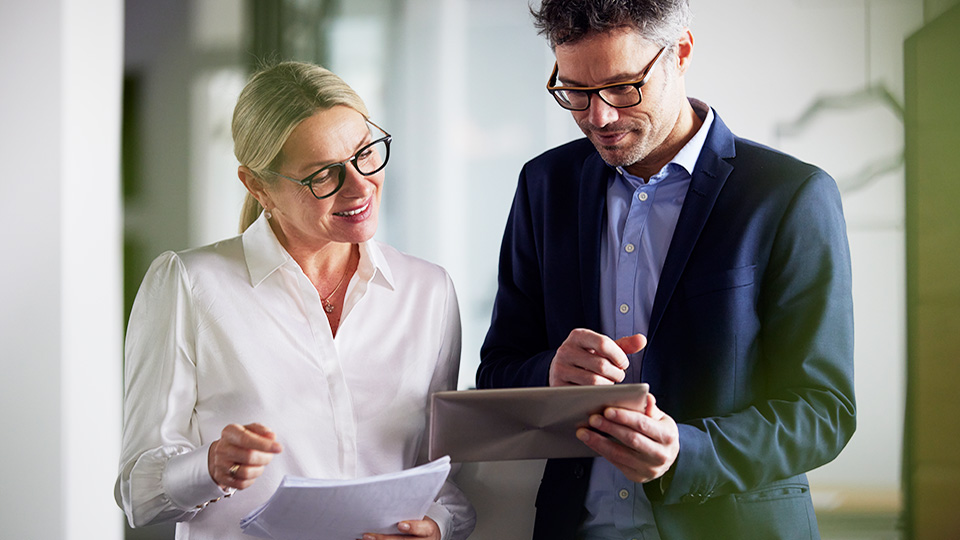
(516, 352)
(804, 411)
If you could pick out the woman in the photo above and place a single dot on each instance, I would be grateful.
(302, 347)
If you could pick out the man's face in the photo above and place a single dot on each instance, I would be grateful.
(623, 136)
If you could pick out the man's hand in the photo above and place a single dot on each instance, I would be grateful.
(422, 528)
(239, 456)
(647, 442)
(587, 358)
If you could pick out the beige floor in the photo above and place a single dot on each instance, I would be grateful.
(860, 527)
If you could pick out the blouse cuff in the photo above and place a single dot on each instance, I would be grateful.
(443, 517)
(187, 481)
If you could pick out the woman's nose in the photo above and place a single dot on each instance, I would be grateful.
(356, 184)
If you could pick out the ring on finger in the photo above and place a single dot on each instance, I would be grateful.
(232, 471)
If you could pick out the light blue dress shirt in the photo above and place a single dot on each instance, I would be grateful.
(641, 218)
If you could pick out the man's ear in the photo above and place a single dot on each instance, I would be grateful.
(685, 51)
(255, 186)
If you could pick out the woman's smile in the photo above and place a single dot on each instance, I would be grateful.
(357, 214)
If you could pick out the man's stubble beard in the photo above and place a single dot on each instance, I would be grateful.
(620, 156)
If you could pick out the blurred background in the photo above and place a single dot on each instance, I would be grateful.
(115, 138)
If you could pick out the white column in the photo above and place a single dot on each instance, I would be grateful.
(60, 282)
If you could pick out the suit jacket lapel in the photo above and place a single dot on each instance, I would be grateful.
(592, 207)
(709, 175)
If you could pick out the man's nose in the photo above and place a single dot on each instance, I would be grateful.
(599, 113)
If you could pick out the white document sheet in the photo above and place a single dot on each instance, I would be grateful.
(308, 508)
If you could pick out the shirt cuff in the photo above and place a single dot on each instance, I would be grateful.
(187, 481)
(443, 517)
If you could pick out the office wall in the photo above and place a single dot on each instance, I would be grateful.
(59, 281)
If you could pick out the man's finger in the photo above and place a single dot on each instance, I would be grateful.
(613, 353)
(658, 426)
(652, 410)
(632, 344)
(600, 345)
(598, 365)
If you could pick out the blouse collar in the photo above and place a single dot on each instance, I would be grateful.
(265, 255)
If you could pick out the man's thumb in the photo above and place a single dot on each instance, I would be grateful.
(632, 344)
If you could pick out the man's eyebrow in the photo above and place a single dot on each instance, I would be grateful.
(618, 78)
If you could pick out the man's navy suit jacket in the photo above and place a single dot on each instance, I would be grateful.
(750, 340)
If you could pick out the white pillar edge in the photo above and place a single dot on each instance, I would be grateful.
(91, 271)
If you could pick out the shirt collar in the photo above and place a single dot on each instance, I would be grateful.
(373, 265)
(688, 155)
(265, 255)
(262, 251)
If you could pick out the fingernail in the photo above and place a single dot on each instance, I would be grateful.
(368, 537)
(583, 435)
(610, 413)
(595, 421)
(404, 526)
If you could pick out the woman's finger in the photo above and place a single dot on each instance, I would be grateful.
(232, 454)
(418, 528)
(243, 437)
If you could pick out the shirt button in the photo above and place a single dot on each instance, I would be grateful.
(629, 248)
(642, 196)
(624, 308)
(624, 494)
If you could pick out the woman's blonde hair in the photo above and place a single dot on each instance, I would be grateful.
(272, 104)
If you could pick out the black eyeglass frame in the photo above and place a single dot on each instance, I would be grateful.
(588, 90)
(342, 165)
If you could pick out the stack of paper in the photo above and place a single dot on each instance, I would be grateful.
(306, 508)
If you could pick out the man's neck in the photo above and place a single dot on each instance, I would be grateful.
(687, 125)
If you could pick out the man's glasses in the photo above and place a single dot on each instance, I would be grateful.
(619, 95)
(370, 159)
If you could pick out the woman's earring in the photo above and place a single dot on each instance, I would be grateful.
(267, 214)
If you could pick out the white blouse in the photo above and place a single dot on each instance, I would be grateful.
(235, 332)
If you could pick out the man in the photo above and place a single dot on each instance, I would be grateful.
(726, 259)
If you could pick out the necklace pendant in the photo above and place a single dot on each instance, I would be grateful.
(328, 307)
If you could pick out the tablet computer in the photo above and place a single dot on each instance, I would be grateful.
(521, 423)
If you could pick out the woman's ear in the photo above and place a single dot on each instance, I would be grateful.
(255, 186)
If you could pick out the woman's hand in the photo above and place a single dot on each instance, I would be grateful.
(422, 528)
(238, 457)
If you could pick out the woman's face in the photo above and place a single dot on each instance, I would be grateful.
(302, 221)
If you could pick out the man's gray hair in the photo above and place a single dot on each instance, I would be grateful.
(659, 21)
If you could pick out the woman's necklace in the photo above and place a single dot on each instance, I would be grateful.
(327, 305)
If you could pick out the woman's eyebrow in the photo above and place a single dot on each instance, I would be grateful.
(316, 165)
